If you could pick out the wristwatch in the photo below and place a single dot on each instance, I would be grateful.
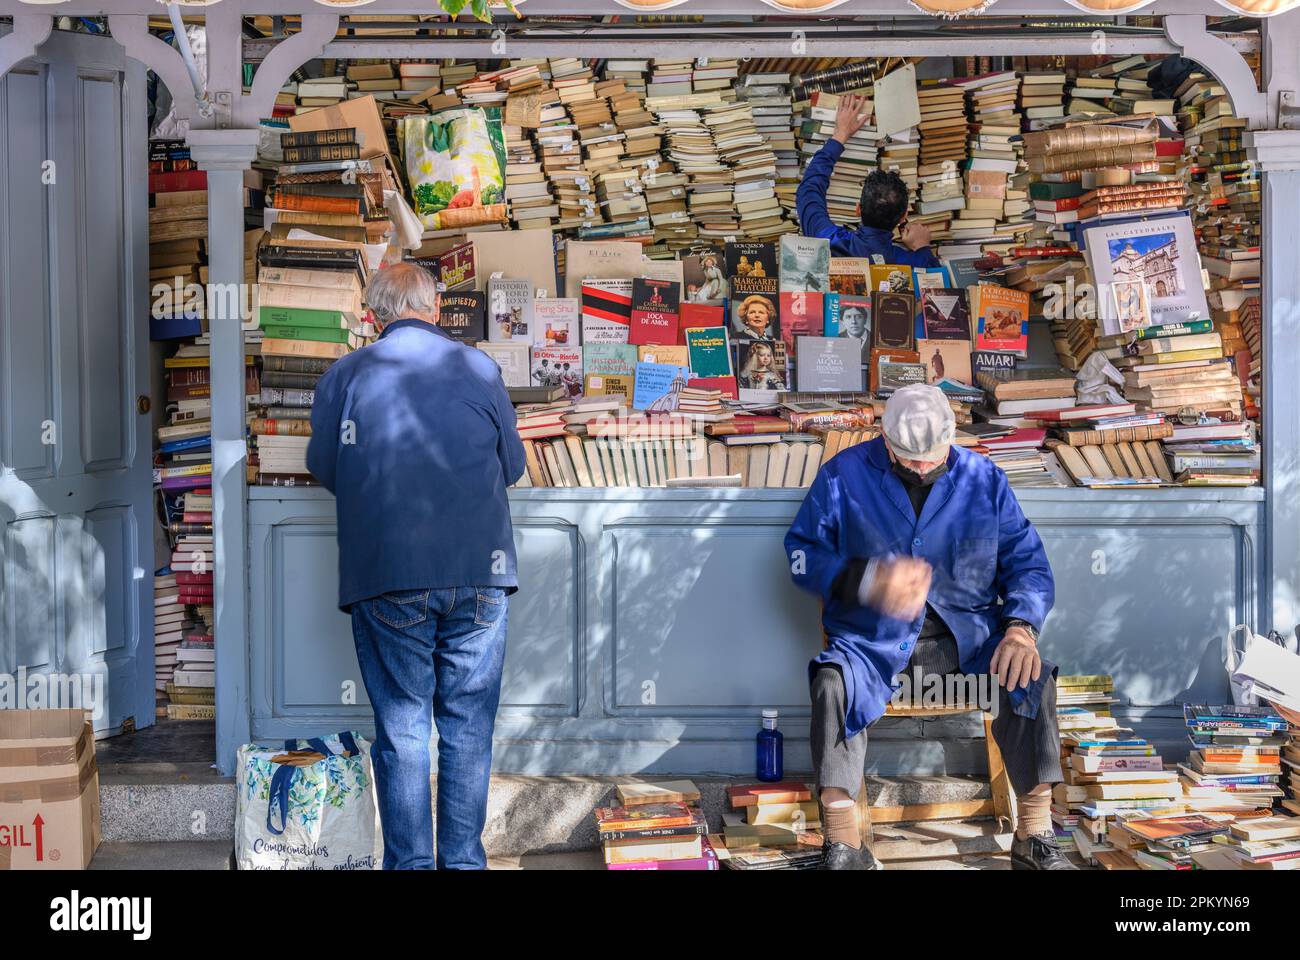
(1016, 622)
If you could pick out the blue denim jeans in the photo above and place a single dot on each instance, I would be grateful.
(432, 656)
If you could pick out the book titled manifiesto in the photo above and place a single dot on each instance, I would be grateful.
(463, 315)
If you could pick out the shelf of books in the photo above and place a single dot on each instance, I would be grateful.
(620, 236)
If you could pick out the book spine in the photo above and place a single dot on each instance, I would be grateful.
(319, 204)
(282, 428)
(316, 138)
(322, 152)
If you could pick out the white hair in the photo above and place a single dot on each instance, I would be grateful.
(401, 291)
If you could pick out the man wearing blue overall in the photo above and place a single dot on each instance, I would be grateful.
(923, 559)
(882, 209)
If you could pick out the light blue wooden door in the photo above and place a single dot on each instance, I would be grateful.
(76, 515)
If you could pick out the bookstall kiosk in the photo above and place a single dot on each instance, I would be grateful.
(653, 624)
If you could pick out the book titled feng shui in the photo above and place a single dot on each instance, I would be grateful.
(462, 315)
(828, 365)
(510, 311)
(655, 311)
(555, 321)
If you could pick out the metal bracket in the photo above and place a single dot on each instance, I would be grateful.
(132, 32)
(1288, 110)
(1188, 33)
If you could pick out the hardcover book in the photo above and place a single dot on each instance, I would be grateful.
(755, 308)
(802, 315)
(704, 278)
(945, 315)
(609, 369)
(555, 321)
(751, 259)
(709, 352)
(828, 365)
(1003, 322)
(462, 315)
(761, 365)
(512, 358)
(850, 275)
(892, 319)
(510, 311)
(703, 315)
(805, 265)
(558, 367)
(606, 310)
(456, 267)
(657, 386)
(946, 359)
(654, 312)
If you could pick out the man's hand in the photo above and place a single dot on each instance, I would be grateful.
(1016, 660)
(850, 116)
(915, 236)
(899, 587)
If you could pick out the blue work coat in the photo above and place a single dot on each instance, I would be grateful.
(988, 562)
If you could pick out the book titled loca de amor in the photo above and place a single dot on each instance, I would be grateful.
(655, 306)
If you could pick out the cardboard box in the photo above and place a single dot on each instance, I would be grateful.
(361, 113)
(49, 790)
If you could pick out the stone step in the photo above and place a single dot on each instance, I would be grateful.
(173, 803)
(942, 839)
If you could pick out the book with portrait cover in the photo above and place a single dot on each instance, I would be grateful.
(755, 309)
(761, 365)
(945, 314)
(655, 314)
(462, 315)
(704, 278)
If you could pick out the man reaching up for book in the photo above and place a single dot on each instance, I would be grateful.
(883, 206)
(415, 436)
(924, 562)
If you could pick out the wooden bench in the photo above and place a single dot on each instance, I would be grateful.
(1000, 804)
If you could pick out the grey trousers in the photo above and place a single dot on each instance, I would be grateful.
(1031, 749)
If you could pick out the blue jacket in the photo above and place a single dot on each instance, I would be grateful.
(864, 241)
(971, 531)
(415, 437)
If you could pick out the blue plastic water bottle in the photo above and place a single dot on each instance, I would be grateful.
(769, 748)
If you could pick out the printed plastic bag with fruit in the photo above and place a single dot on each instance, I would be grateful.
(455, 163)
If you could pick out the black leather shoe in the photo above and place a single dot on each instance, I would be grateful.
(1039, 851)
(840, 856)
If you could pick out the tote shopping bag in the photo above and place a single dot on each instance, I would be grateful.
(1240, 639)
(310, 809)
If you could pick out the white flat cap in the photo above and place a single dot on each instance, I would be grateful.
(919, 423)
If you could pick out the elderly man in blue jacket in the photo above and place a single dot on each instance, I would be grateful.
(924, 561)
(882, 207)
(415, 437)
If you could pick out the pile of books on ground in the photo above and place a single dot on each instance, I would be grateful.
(656, 826)
(1083, 706)
(1235, 763)
(771, 826)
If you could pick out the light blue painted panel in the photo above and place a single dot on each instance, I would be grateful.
(108, 559)
(30, 619)
(26, 361)
(1148, 602)
(544, 643)
(706, 620)
(106, 404)
(691, 592)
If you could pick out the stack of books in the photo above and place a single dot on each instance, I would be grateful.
(772, 826)
(178, 230)
(768, 93)
(943, 154)
(1165, 842)
(1042, 95)
(1291, 767)
(310, 309)
(860, 156)
(1264, 843)
(1235, 765)
(656, 826)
